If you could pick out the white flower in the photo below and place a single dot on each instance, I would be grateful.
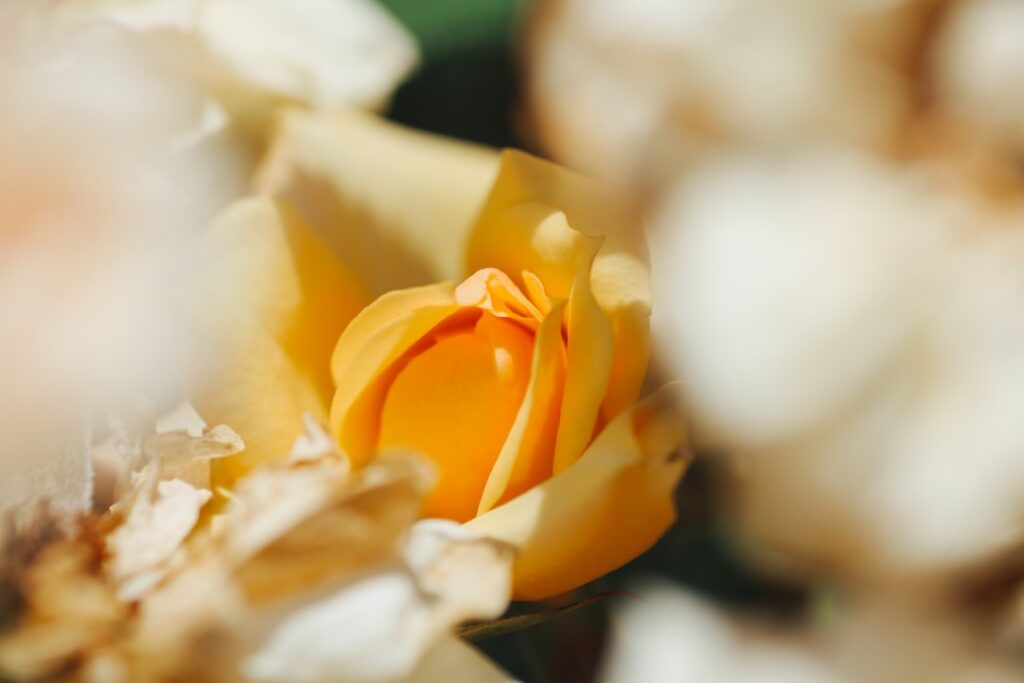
(98, 210)
(667, 635)
(255, 54)
(631, 90)
(852, 332)
(979, 65)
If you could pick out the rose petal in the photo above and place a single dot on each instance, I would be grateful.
(367, 350)
(137, 15)
(606, 509)
(550, 221)
(471, 574)
(454, 400)
(181, 456)
(494, 291)
(372, 188)
(314, 445)
(621, 284)
(518, 235)
(153, 531)
(326, 53)
(522, 460)
(273, 300)
(372, 631)
(400, 613)
(291, 530)
(587, 373)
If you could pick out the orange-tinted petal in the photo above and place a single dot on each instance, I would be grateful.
(493, 290)
(526, 457)
(364, 358)
(454, 402)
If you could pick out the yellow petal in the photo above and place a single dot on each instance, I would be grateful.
(272, 300)
(586, 375)
(620, 282)
(531, 237)
(526, 458)
(493, 290)
(606, 509)
(536, 242)
(365, 356)
(398, 203)
(536, 218)
(383, 314)
(537, 293)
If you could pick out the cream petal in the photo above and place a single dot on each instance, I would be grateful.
(451, 575)
(282, 530)
(324, 53)
(371, 631)
(136, 15)
(152, 532)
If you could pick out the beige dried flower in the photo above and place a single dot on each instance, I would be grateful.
(266, 588)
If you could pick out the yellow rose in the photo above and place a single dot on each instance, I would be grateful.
(518, 383)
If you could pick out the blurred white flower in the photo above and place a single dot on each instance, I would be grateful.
(788, 283)
(668, 635)
(98, 209)
(852, 331)
(254, 55)
(629, 90)
(979, 64)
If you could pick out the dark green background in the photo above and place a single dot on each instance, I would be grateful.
(466, 85)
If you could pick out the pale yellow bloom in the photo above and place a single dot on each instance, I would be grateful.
(518, 383)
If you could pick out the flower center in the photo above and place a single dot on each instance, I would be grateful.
(455, 402)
